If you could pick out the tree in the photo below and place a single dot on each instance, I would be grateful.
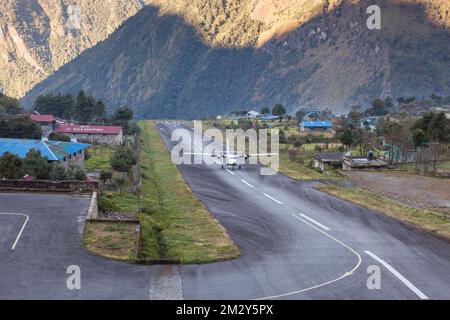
(82, 108)
(54, 136)
(120, 182)
(419, 137)
(35, 165)
(60, 105)
(105, 176)
(265, 110)
(58, 172)
(299, 115)
(11, 166)
(20, 127)
(123, 114)
(439, 127)
(122, 160)
(9, 105)
(355, 115)
(388, 103)
(347, 137)
(401, 100)
(76, 173)
(378, 107)
(278, 110)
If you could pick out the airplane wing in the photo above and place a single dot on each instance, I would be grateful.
(200, 154)
(262, 154)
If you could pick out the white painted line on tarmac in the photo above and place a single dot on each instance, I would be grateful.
(273, 199)
(23, 226)
(413, 288)
(232, 173)
(346, 274)
(250, 185)
(314, 221)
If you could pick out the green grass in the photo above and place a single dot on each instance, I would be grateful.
(175, 224)
(295, 169)
(114, 240)
(427, 220)
(100, 158)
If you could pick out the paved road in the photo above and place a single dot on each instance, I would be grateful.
(299, 243)
(50, 242)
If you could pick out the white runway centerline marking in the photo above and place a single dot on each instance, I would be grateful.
(250, 185)
(21, 229)
(413, 288)
(273, 199)
(232, 173)
(314, 221)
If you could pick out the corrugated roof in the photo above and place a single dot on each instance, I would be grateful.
(42, 117)
(75, 128)
(51, 150)
(317, 124)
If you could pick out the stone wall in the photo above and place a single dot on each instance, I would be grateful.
(49, 186)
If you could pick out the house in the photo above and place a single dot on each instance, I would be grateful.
(316, 126)
(110, 135)
(47, 122)
(355, 163)
(269, 118)
(312, 115)
(63, 153)
(252, 114)
(370, 124)
(323, 160)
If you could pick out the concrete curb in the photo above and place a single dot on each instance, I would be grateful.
(93, 208)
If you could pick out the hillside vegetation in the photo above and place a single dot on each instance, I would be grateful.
(197, 58)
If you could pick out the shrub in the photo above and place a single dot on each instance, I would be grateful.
(35, 165)
(10, 166)
(122, 160)
(106, 205)
(76, 173)
(105, 176)
(58, 173)
(54, 136)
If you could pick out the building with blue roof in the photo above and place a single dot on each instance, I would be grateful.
(316, 126)
(63, 153)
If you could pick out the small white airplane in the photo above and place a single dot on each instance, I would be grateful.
(231, 157)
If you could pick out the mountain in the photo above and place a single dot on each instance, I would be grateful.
(35, 37)
(201, 57)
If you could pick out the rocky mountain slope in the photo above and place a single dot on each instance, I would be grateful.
(36, 37)
(200, 57)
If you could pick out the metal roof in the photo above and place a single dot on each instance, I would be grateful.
(51, 150)
(329, 156)
(75, 128)
(317, 124)
(42, 117)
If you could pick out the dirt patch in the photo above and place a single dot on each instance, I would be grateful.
(414, 190)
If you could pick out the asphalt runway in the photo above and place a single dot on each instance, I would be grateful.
(299, 243)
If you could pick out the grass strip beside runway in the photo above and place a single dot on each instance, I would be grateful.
(424, 219)
(175, 224)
